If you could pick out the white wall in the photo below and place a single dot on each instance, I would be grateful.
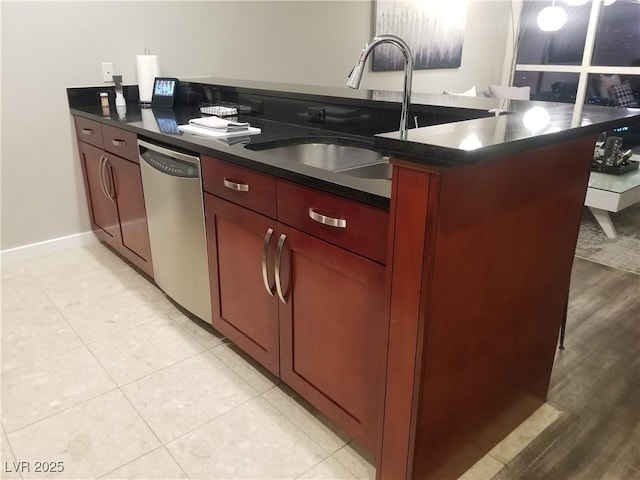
(48, 46)
(483, 52)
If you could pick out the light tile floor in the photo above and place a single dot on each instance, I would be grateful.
(102, 373)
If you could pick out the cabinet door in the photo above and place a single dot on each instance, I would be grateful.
(332, 330)
(103, 210)
(242, 308)
(127, 186)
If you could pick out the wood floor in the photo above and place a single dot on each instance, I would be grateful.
(596, 381)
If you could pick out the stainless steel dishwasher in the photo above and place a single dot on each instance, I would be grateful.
(172, 187)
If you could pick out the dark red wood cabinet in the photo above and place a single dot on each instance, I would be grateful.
(113, 186)
(478, 284)
(331, 348)
(242, 309)
(103, 209)
(302, 299)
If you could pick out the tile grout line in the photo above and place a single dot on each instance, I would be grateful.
(161, 446)
(155, 371)
(13, 454)
(261, 396)
(82, 340)
(176, 461)
(46, 417)
(294, 423)
(162, 443)
(86, 344)
(118, 387)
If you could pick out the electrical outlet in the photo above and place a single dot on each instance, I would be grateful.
(257, 106)
(107, 71)
(316, 114)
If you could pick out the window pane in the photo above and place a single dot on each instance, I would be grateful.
(549, 86)
(562, 47)
(614, 90)
(618, 35)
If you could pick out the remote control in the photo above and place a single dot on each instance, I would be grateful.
(611, 150)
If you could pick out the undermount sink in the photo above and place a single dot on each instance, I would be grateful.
(335, 154)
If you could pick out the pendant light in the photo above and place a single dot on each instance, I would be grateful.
(551, 19)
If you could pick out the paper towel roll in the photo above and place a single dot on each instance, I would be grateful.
(148, 69)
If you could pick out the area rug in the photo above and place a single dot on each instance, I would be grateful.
(622, 252)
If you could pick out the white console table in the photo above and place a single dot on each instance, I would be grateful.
(611, 193)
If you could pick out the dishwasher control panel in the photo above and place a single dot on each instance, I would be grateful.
(170, 166)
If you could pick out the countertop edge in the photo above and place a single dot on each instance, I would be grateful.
(351, 188)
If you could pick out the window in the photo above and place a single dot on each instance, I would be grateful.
(550, 86)
(592, 58)
(617, 41)
(562, 47)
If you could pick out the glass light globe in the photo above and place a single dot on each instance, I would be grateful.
(551, 19)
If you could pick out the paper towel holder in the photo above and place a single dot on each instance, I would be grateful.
(147, 66)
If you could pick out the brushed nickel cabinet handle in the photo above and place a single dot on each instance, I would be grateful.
(109, 180)
(279, 249)
(233, 184)
(103, 186)
(265, 255)
(119, 143)
(87, 131)
(325, 220)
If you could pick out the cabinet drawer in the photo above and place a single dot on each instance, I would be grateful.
(120, 142)
(239, 185)
(89, 131)
(352, 225)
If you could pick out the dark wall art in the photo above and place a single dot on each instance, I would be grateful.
(434, 29)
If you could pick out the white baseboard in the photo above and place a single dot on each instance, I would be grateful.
(26, 252)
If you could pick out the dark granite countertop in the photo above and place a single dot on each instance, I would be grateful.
(468, 130)
(158, 125)
(528, 125)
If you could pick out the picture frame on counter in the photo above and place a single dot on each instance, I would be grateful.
(165, 92)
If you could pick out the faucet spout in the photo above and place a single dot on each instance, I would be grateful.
(356, 74)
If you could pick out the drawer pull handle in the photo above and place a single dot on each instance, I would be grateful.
(281, 293)
(87, 131)
(119, 143)
(326, 220)
(265, 254)
(235, 185)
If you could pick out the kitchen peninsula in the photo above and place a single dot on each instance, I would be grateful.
(459, 262)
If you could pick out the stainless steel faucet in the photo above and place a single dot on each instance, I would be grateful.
(356, 74)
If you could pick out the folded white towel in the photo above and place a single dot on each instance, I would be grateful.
(218, 124)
